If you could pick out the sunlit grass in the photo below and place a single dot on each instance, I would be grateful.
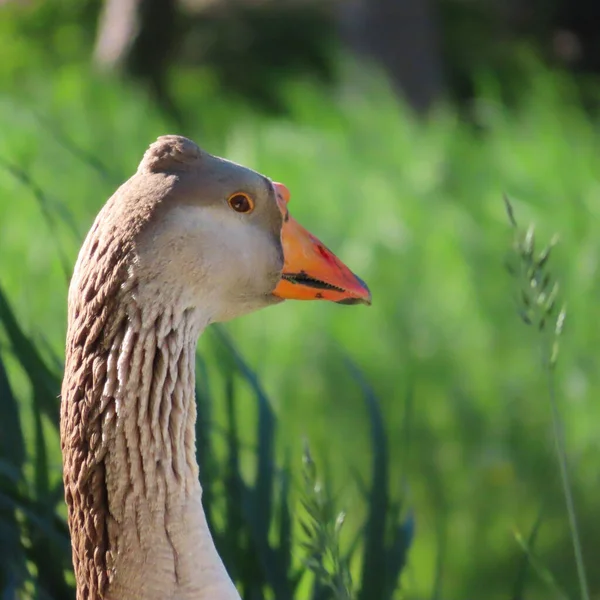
(415, 209)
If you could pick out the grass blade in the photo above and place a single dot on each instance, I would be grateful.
(25, 178)
(45, 383)
(397, 553)
(265, 436)
(543, 573)
(258, 501)
(285, 521)
(233, 488)
(373, 579)
(50, 575)
(518, 592)
(13, 566)
(83, 155)
(12, 444)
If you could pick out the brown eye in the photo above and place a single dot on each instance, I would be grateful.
(241, 203)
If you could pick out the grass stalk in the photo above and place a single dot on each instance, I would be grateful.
(537, 303)
(322, 527)
(561, 454)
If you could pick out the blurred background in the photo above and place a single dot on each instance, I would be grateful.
(398, 125)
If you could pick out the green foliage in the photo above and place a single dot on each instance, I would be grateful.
(414, 209)
(38, 34)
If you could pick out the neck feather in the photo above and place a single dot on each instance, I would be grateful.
(128, 438)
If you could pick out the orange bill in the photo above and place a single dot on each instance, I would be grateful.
(311, 271)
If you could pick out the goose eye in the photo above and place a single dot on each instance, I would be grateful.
(241, 203)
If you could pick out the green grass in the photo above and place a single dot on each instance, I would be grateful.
(414, 208)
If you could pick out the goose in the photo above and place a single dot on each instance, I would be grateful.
(189, 240)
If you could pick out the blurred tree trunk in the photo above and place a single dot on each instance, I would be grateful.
(402, 36)
(138, 37)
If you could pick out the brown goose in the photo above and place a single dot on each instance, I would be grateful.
(189, 240)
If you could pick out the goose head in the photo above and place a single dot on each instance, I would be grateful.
(221, 235)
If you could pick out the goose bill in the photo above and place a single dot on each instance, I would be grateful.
(312, 272)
